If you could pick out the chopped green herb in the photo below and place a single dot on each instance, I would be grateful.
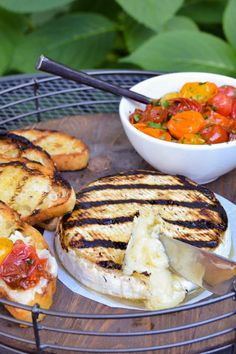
(137, 117)
(214, 108)
(154, 125)
(165, 104)
(30, 261)
(156, 102)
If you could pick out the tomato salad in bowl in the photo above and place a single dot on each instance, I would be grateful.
(189, 129)
(199, 113)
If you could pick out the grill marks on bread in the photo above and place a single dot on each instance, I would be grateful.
(99, 228)
(32, 189)
(15, 147)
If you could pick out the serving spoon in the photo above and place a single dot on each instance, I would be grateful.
(52, 67)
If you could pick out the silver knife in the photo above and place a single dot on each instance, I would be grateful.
(208, 270)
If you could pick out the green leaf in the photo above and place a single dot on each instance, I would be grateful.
(229, 22)
(204, 11)
(78, 40)
(185, 50)
(135, 33)
(28, 6)
(151, 13)
(108, 8)
(5, 52)
(178, 23)
(11, 32)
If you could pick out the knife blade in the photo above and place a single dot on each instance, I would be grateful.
(205, 269)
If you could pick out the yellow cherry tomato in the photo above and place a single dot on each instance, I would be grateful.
(6, 246)
(169, 96)
(199, 91)
(193, 139)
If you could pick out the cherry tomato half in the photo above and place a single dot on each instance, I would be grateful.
(157, 114)
(22, 268)
(228, 90)
(6, 246)
(193, 139)
(199, 91)
(185, 123)
(222, 104)
(233, 110)
(177, 105)
(214, 134)
(218, 119)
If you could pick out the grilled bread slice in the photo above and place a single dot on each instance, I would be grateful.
(13, 228)
(69, 153)
(92, 240)
(33, 191)
(15, 147)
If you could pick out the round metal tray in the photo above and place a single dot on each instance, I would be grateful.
(28, 99)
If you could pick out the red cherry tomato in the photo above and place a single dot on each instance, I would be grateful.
(22, 268)
(232, 136)
(228, 90)
(178, 105)
(157, 114)
(233, 111)
(222, 104)
(214, 134)
(217, 119)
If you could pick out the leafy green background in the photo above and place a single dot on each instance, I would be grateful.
(165, 35)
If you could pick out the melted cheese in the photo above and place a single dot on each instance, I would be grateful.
(145, 253)
(24, 296)
(52, 264)
(17, 235)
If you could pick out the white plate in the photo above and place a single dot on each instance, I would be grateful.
(82, 290)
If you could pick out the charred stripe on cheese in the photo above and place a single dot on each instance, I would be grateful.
(192, 205)
(82, 243)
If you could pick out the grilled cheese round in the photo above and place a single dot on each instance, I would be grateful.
(92, 240)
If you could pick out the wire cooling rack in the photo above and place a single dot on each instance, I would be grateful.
(27, 99)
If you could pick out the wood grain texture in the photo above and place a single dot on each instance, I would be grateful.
(110, 153)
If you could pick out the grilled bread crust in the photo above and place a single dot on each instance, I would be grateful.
(99, 227)
(68, 153)
(9, 222)
(33, 190)
(15, 147)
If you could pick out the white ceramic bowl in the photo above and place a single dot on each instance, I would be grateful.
(202, 163)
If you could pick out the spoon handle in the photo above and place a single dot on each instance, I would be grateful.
(52, 67)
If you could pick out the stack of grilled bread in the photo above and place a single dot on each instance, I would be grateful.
(31, 192)
(68, 153)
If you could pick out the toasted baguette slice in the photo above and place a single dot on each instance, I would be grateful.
(15, 147)
(33, 191)
(69, 153)
(50, 224)
(14, 228)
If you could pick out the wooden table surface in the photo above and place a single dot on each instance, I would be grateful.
(110, 153)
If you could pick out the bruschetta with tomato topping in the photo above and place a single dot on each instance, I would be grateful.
(28, 271)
